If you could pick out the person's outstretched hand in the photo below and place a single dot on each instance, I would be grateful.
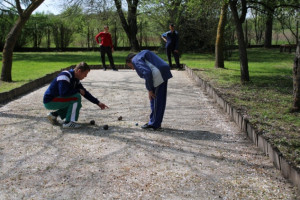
(102, 106)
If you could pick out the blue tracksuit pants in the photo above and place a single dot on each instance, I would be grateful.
(158, 105)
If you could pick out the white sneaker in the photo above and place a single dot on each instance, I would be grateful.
(71, 125)
(52, 119)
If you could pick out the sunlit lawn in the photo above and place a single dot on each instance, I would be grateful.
(32, 65)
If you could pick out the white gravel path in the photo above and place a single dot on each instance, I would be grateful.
(199, 154)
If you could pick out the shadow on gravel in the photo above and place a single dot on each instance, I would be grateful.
(18, 116)
(155, 146)
(98, 130)
(193, 135)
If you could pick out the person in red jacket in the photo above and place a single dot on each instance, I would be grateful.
(106, 46)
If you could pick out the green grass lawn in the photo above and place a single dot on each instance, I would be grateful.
(266, 99)
(32, 65)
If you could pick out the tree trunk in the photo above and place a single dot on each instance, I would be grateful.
(62, 30)
(35, 36)
(115, 36)
(219, 48)
(241, 41)
(269, 27)
(88, 37)
(297, 32)
(12, 37)
(7, 54)
(129, 26)
(246, 33)
(48, 37)
(296, 80)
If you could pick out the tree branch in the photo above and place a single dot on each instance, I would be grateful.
(19, 8)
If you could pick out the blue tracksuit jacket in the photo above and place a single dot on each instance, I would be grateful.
(64, 85)
(144, 71)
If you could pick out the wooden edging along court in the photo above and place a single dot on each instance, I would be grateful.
(288, 171)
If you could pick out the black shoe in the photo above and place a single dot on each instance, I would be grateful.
(115, 69)
(146, 126)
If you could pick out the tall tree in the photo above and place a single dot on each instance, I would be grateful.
(239, 20)
(269, 7)
(258, 26)
(219, 47)
(130, 26)
(296, 80)
(269, 28)
(11, 39)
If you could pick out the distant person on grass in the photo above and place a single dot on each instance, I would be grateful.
(106, 47)
(156, 73)
(172, 39)
(64, 96)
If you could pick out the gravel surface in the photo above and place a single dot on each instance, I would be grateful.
(199, 154)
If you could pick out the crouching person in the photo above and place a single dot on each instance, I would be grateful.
(64, 96)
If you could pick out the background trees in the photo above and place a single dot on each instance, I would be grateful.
(196, 21)
(270, 9)
(139, 23)
(14, 33)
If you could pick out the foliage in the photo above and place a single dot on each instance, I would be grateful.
(81, 21)
(7, 20)
(35, 29)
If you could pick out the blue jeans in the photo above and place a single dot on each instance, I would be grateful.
(158, 105)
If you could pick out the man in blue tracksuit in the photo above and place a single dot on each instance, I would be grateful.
(156, 73)
(64, 96)
(172, 39)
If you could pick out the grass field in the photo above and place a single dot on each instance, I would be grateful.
(30, 66)
(266, 99)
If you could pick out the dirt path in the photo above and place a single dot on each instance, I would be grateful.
(199, 154)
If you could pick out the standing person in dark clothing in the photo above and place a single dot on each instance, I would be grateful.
(106, 46)
(171, 38)
(156, 73)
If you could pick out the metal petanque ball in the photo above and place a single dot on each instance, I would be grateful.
(120, 118)
(105, 127)
(137, 124)
(92, 122)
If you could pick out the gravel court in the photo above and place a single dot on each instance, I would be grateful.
(199, 154)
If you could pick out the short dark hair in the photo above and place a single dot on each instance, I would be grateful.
(83, 67)
(129, 57)
(172, 25)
